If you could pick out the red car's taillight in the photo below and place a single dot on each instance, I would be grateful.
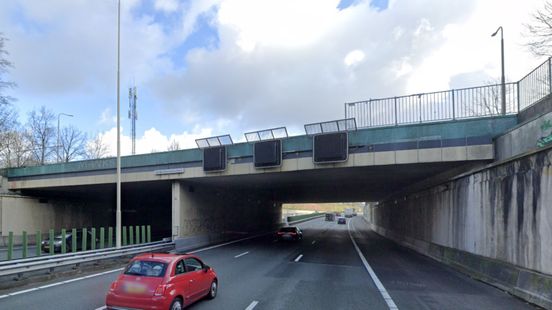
(280, 233)
(113, 286)
(160, 290)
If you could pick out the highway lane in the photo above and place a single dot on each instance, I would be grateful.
(323, 271)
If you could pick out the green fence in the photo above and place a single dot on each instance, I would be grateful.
(64, 240)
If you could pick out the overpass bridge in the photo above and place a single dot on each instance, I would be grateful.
(380, 162)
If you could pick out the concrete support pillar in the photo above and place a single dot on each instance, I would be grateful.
(221, 212)
(176, 206)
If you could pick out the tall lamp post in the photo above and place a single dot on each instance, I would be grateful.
(58, 141)
(503, 80)
(118, 212)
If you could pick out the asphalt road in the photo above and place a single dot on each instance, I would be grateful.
(263, 274)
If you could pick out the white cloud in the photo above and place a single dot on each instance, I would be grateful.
(277, 62)
(152, 140)
(168, 6)
(354, 58)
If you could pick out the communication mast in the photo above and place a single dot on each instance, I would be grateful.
(133, 114)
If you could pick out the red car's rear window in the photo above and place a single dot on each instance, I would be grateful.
(146, 268)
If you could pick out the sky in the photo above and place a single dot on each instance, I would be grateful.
(214, 67)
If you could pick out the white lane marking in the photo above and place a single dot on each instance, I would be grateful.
(313, 242)
(101, 308)
(23, 292)
(60, 283)
(252, 305)
(298, 257)
(383, 292)
(242, 254)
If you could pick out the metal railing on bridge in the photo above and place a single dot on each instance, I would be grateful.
(453, 104)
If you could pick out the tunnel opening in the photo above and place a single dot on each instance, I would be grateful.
(142, 203)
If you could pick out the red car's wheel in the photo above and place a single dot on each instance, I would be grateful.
(213, 290)
(176, 304)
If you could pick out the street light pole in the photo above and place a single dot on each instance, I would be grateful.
(58, 141)
(118, 212)
(503, 79)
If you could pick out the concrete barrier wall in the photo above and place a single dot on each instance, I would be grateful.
(499, 217)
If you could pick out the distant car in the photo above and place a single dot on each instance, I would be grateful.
(45, 244)
(162, 281)
(341, 220)
(289, 233)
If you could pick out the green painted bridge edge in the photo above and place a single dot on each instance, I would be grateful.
(490, 126)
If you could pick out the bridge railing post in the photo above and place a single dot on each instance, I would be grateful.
(396, 112)
(137, 227)
(84, 238)
(74, 240)
(149, 233)
(38, 243)
(25, 245)
(109, 237)
(143, 234)
(124, 235)
(63, 241)
(10, 245)
(453, 106)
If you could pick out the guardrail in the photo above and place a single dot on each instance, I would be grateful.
(20, 266)
(481, 101)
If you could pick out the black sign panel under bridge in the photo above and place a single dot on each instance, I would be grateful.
(330, 147)
(268, 154)
(214, 159)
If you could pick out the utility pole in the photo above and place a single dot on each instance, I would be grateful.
(118, 212)
(503, 79)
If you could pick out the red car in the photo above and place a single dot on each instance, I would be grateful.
(162, 281)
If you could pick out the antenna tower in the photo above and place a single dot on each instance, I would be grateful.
(133, 114)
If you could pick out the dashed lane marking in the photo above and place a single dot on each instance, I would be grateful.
(298, 257)
(242, 254)
(252, 305)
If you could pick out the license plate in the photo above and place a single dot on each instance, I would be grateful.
(135, 288)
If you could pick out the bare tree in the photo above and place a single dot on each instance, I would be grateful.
(96, 148)
(539, 31)
(174, 146)
(41, 134)
(72, 144)
(16, 150)
(5, 65)
(8, 116)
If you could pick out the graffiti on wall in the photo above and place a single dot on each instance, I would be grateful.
(546, 129)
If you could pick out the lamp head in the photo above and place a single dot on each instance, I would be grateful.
(494, 34)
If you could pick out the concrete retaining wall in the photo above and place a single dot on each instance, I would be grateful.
(525, 137)
(496, 222)
(21, 213)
